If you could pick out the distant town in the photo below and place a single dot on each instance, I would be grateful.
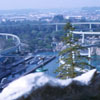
(82, 14)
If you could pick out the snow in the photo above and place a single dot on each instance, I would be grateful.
(76, 69)
(86, 78)
(62, 62)
(26, 84)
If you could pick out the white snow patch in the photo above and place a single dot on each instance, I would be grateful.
(86, 78)
(26, 84)
(62, 62)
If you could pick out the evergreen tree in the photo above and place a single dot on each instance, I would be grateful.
(70, 56)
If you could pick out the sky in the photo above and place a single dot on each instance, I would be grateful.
(46, 4)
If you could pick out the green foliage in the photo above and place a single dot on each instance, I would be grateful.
(35, 36)
(71, 56)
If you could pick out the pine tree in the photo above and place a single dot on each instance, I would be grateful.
(71, 55)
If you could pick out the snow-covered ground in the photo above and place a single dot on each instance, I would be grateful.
(27, 84)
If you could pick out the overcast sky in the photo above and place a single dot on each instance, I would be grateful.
(44, 4)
